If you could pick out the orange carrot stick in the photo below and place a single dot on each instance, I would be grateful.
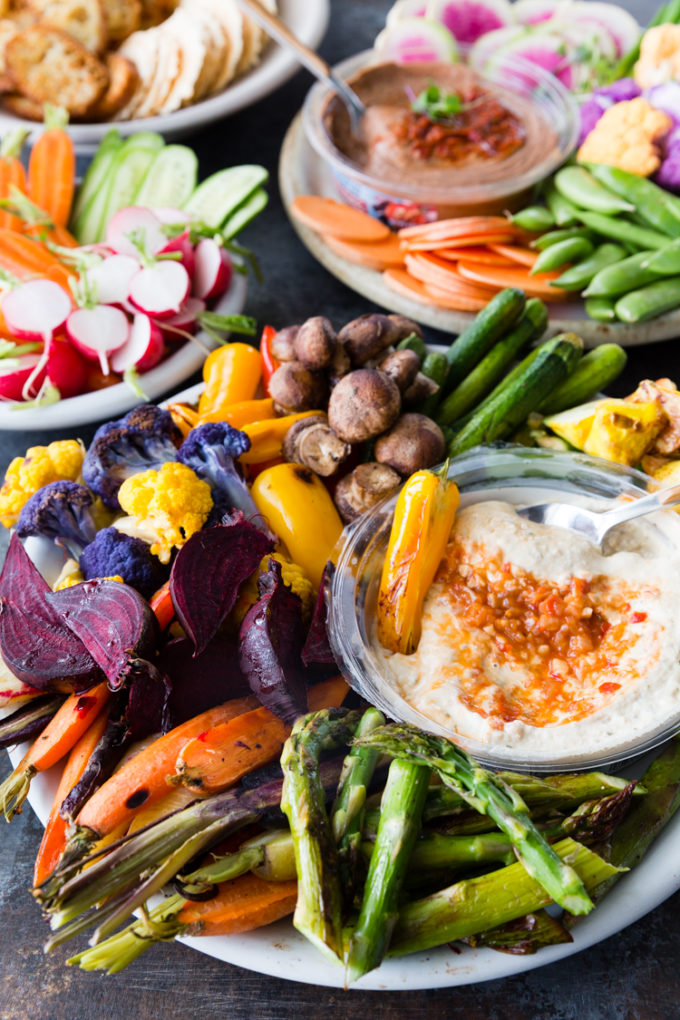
(51, 168)
(144, 778)
(241, 904)
(54, 837)
(30, 255)
(12, 174)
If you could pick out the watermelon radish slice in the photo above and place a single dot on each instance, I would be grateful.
(489, 45)
(406, 9)
(536, 12)
(469, 20)
(619, 24)
(417, 40)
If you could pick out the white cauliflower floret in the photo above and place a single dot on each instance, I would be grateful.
(659, 56)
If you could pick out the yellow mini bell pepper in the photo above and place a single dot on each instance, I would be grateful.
(423, 518)
(231, 373)
(299, 509)
(266, 437)
(242, 413)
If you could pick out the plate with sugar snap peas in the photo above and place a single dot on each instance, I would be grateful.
(600, 245)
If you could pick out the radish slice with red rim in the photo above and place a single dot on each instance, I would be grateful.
(111, 278)
(97, 332)
(161, 289)
(213, 271)
(15, 373)
(135, 223)
(185, 321)
(143, 348)
(183, 245)
(36, 309)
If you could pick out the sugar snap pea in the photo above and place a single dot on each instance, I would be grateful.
(666, 262)
(413, 343)
(572, 250)
(667, 14)
(563, 211)
(601, 309)
(534, 217)
(618, 228)
(580, 187)
(580, 275)
(555, 236)
(650, 301)
(622, 277)
(655, 207)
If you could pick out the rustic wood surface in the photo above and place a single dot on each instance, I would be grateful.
(632, 976)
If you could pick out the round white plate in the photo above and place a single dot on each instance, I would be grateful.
(101, 405)
(303, 172)
(308, 20)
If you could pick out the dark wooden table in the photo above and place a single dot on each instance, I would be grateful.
(632, 976)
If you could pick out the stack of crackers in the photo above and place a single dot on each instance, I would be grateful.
(119, 59)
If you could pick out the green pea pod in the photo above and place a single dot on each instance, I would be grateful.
(435, 367)
(581, 188)
(666, 262)
(649, 302)
(655, 207)
(534, 217)
(601, 309)
(413, 343)
(555, 236)
(564, 212)
(621, 229)
(622, 277)
(580, 275)
(557, 255)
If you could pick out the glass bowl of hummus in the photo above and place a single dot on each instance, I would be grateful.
(482, 153)
(538, 652)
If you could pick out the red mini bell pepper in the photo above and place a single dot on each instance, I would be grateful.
(269, 362)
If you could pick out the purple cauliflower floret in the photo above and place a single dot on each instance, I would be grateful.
(145, 438)
(61, 511)
(113, 553)
(665, 97)
(211, 451)
(619, 91)
(668, 174)
(601, 99)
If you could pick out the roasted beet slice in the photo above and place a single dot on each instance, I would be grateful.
(199, 682)
(114, 623)
(208, 572)
(316, 650)
(35, 642)
(270, 646)
(147, 709)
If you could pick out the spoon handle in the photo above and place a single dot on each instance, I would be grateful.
(274, 27)
(645, 505)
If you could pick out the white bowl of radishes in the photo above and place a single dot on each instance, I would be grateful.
(136, 312)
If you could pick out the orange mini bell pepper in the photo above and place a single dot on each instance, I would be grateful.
(245, 412)
(232, 373)
(423, 518)
(266, 437)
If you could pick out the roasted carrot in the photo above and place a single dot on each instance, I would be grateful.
(51, 168)
(161, 604)
(60, 735)
(143, 779)
(327, 216)
(219, 757)
(178, 797)
(242, 904)
(12, 174)
(54, 837)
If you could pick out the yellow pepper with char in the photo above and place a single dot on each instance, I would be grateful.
(300, 511)
(231, 374)
(423, 518)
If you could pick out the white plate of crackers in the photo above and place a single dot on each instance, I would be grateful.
(170, 66)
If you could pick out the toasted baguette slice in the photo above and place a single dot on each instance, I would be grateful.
(23, 107)
(123, 17)
(49, 66)
(82, 19)
(123, 79)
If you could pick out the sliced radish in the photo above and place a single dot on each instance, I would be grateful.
(406, 9)
(15, 373)
(417, 40)
(619, 23)
(489, 45)
(213, 271)
(160, 290)
(183, 245)
(534, 12)
(186, 320)
(166, 214)
(35, 310)
(469, 20)
(97, 332)
(143, 348)
(111, 278)
(65, 368)
(135, 221)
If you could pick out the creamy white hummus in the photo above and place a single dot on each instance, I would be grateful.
(537, 646)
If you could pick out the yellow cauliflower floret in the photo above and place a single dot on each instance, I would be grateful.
(292, 574)
(626, 136)
(60, 461)
(659, 59)
(70, 582)
(170, 505)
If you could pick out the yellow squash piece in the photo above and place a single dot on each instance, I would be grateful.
(623, 432)
(665, 472)
(298, 508)
(575, 424)
(423, 519)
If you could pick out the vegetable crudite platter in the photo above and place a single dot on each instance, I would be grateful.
(226, 724)
(161, 66)
(117, 290)
(497, 161)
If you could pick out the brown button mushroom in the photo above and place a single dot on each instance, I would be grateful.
(407, 327)
(364, 403)
(402, 366)
(313, 443)
(362, 488)
(339, 366)
(293, 388)
(420, 389)
(415, 442)
(364, 338)
(315, 342)
(282, 343)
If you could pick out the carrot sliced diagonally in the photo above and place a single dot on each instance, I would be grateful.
(377, 255)
(403, 283)
(241, 904)
(533, 286)
(439, 273)
(475, 253)
(515, 253)
(326, 216)
(459, 225)
(459, 241)
(457, 301)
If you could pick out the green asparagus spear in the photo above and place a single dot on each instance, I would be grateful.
(523, 936)
(488, 901)
(402, 807)
(490, 796)
(318, 914)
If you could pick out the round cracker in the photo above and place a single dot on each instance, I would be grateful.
(232, 21)
(142, 49)
(193, 56)
(167, 70)
(122, 85)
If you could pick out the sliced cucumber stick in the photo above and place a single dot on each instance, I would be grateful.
(125, 175)
(220, 195)
(95, 175)
(245, 213)
(171, 178)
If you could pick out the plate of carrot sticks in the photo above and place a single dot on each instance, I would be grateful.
(439, 273)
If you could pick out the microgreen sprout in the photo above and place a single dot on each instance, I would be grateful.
(437, 104)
